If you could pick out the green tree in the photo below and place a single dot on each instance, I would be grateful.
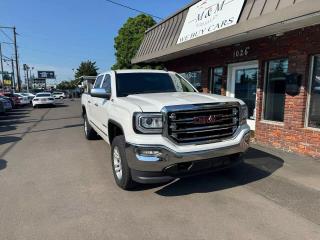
(64, 85)
(87, 68)
(129, 39)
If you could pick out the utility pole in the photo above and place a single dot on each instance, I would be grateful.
(16, 58)
(12, 76)
(1, 63)
(27, 72)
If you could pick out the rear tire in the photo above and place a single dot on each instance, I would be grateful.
(120, 168)
(89, 132)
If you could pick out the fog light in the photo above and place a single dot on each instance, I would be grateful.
(153, 153)
(149, 155)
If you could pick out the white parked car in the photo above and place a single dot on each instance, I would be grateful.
(59, 95)
(23, 100)
(43, 98)
(30, 96)
(161, 128)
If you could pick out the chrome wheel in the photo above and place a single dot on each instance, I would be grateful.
(85, 127)
(117, 163)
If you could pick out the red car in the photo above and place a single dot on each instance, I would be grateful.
(15, 101)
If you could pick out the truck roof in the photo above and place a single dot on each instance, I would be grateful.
(140, 71)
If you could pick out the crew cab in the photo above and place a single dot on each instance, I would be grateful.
(161, 128)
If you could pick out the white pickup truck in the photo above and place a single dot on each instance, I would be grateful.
(161, 128)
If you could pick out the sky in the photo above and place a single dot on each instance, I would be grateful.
(59, 34)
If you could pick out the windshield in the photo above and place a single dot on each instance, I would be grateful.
(43, 95)
(139, 83)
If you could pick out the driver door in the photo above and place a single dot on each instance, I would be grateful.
(93, 103)
(104, 105)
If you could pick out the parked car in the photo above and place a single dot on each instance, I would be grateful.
(14, 99)
(6, 103)
(9, 99)
(23, 100)
(29, 95)
(161, 128)
(42, 99)
(59, 95)
(2, 109)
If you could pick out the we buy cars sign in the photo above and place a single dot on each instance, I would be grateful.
(208, 16)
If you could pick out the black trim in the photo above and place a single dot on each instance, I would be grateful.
(115, 123)
(99, 129)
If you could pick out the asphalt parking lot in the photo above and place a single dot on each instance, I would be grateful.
(54, 184)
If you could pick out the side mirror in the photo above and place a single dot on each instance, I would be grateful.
(100, 93)
(199, 88)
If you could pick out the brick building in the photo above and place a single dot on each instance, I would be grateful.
(265, 52)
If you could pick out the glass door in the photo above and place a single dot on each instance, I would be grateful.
(242, 84)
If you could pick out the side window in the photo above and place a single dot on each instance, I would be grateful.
(107, 83)
(275, 90)
(193, 77)
(216, 80)
(98, 82)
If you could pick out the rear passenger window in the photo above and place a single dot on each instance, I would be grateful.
(107, 83)
(98, 82)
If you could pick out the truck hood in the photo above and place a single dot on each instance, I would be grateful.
(154, 102)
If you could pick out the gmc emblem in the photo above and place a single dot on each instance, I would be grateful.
(205, 119)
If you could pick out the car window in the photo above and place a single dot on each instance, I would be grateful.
(140, 83)
(43, 95)
(98, 81)
(107, 83)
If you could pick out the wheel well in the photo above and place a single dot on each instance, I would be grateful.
(114, 130)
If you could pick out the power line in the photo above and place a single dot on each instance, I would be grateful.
(4, 33)
(133, 9)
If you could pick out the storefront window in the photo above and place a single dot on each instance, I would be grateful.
(275, 89)
(314, 107)
(216, 80)
(193, 77)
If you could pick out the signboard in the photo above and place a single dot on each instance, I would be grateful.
(208, 16)
(7, 82)
(39, 83)
(46, 74)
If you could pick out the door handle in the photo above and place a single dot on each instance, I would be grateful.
(96, 104)
(89, 101)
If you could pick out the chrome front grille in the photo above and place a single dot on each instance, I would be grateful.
(202, 123)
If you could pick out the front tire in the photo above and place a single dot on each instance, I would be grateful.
(121, 170)
(89, 132)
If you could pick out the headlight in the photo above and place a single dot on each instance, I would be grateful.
(148, 122)
(243, 114)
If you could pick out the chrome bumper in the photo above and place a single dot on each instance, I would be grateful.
(164, 157)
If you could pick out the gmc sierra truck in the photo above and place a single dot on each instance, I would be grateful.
(161, 128)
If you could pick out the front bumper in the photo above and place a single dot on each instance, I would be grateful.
(161, 166)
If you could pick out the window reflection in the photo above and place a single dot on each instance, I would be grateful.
(314, 108)
(216, 80)
(194, 77)
(275, 89)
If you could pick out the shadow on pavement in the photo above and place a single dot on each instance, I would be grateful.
(8, 139)
(7, 128)
(257, 165)
(3, 164)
